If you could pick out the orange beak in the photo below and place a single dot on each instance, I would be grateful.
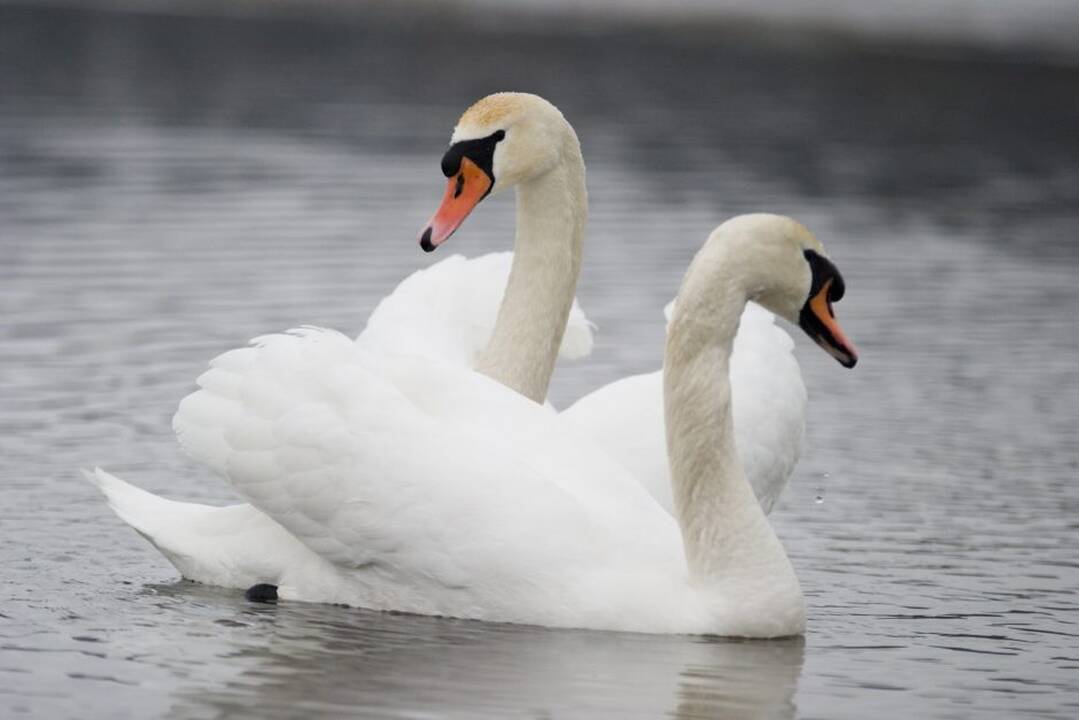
(463, 193)
(824, 329)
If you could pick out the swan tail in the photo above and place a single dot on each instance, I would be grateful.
(135, 506)
(233, 546)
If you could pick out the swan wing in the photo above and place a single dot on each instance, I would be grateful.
(769, 405)
(427, 486)
(448, 311)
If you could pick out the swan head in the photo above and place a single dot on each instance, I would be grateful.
(501, 141)
(791, 275)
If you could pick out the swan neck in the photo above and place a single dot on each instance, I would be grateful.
(551, 213)
(725, 532)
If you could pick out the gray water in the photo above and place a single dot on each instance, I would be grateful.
(172, 186)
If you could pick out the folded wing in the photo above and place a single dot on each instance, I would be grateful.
(411, 477)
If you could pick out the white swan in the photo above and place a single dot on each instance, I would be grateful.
(449, 312)
(422, 487)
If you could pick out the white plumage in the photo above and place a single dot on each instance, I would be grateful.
(443, 313)
(239, 545)
(431, 489)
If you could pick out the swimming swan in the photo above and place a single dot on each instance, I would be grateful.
(421, 487)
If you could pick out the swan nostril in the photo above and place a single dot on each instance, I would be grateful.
(460, 186)
(425, 241)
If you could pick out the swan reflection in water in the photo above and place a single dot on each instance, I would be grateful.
(327, 661)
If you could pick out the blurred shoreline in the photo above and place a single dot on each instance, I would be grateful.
(1037, 31)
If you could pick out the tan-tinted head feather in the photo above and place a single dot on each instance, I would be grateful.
(502, 110)
(491, 109)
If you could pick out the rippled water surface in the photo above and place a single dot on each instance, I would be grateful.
(171, 186)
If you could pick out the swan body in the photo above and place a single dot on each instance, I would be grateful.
(239, 545)
(408, 477)
(449, 311)
(401, 483)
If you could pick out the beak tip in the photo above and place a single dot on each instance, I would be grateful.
(425, 241)
(852, 356)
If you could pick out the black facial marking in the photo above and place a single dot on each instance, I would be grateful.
(425, 241)
(262, 593)
(480, 151)
(460, 186)
(823, 270)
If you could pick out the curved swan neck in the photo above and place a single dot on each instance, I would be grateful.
(725, 533)
(551, 213)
